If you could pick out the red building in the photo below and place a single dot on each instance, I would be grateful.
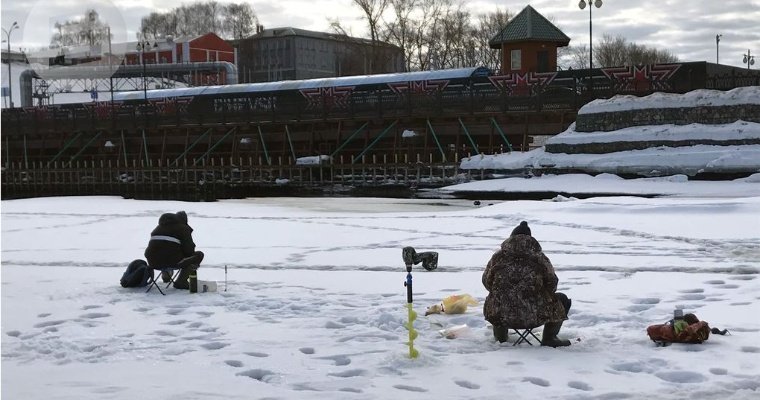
(529, 43)
(204, 48)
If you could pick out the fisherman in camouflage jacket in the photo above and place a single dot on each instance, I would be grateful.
(521, 283)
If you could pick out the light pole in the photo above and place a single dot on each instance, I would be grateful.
(8, 39)
(717, 49)
(749, 59)
(143, 46)
(582, 5)
(110, 65)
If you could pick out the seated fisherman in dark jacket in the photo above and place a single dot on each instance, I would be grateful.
(171, 244)
(522, 286)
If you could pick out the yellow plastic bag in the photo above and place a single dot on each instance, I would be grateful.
(457, 303)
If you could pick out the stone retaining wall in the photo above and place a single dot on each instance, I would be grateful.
(709, 115)
(611, 147)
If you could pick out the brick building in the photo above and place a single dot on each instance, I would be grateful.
(292, 53)
(529, 43)
(208, 47)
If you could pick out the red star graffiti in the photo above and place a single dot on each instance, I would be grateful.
(642, 77)
(427, 87)
(103, 109)
(518, 84)
(328, 97)
(172, 105)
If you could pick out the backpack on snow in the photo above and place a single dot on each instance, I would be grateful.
(138, 274)
(688, 330)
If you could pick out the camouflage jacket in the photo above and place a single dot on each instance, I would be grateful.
(521, 283)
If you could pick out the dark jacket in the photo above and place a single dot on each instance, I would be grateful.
(521, 283)
(162, 252)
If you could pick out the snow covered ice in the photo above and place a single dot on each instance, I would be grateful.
(314, 301)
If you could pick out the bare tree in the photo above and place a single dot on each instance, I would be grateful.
(401, 31)
(88, 30)
(430, 12)
(151, 26)
(573, 57)
(229, 21)
(488, 25)
(373, 11)
(617, 51)
(239, 20)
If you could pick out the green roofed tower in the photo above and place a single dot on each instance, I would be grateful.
(529, 43)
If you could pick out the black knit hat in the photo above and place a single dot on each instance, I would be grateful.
(182, 216)
(521, 229)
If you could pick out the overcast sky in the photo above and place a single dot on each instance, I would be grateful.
(685, 27)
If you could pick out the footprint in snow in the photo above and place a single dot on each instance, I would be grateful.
(537, 381)
(681, 377)
(349, 373)
(715, 282)
(334, 325)
(176, 322)
(163, 332)
(261, 375)
(91, 306)
(580, 386)
(214, 345)
(718, 371)
(43, 315)
(410, 388)
(750, 349)
(306, 350)
(256, 354)
(49, 323)
(467, 384)
(349, 320)
(639, 307)
(645, 300)
(339, 360)
(728, 286)
(234, 363)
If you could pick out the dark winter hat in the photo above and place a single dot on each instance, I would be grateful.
(521, 229)
(182, 216)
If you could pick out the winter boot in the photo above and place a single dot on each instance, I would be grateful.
(500, 333)
(166, 276)
(184, 274)
(549, 337)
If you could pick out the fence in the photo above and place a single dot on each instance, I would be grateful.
(221, 178)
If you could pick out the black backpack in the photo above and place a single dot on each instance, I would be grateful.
(138, 274)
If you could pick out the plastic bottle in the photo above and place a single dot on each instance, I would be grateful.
(193, 281)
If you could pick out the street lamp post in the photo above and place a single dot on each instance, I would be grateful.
(8, 39)
(142, 47)
(749, 59)
(717, 49)
(582, 5)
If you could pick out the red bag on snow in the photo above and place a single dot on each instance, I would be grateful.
(690, 330)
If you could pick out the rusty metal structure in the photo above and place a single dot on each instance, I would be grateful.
(406, 129)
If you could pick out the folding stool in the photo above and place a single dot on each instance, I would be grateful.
(173, 272)
(523, 335)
